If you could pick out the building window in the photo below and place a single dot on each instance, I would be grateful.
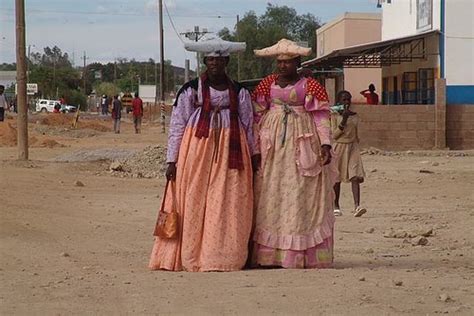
(426, 89)
(424, 15)
(385, 91)
(409, 88)
(395, 99)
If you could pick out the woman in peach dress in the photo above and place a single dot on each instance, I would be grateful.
(210, 146)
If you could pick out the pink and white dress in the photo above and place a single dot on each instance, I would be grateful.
(294, 192)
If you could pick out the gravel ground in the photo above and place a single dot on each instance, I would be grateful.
(149, 163)
(86, 155)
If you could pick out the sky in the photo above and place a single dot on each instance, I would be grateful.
(110, 29)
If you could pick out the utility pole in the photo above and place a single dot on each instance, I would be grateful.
(162, 69)
(28, 63)
(186, 70)
(157, 91)
(146, 73)
(196, 36)
(238, 54)
(84, 72)
(115, 71)
(22, 118)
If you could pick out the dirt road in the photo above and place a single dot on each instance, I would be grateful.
(72, 249)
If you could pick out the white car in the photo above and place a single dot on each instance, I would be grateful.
(44, 105)
(67, 108)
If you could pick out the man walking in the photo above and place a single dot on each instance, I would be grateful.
(137, 108)
(105, 105)
(3, 103)
(116, 113)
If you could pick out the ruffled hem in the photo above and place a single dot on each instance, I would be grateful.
(296, 242)
(217, 268)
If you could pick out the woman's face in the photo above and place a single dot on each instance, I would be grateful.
(216, 65)
(287, 67)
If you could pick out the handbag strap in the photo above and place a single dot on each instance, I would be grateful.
(162, 209)
(173, 193)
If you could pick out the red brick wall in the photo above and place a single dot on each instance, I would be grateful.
(396, 127)
(460, 126)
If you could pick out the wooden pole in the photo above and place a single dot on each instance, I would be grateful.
(22, 117)
(162, 70)
(238, 54)
(84, 73)
(157, 91)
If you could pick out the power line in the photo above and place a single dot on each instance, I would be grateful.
(172, 24)
(116, 13)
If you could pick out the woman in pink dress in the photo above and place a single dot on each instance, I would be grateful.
(294, 196)
(210, 145)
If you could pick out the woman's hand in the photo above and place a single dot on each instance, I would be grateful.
(326, 154)
(256, 161)
(171, 171)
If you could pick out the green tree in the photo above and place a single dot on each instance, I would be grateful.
(107, 88)
(8, 67)
(261, 31)
(53, 72)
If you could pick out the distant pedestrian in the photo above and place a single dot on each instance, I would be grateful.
(116, 113)
(344, 126)
(105, 105)
(13, 105)
(137, 108)
(3, 103)
(370, 95)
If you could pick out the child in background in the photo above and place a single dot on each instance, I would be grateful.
(344, 124)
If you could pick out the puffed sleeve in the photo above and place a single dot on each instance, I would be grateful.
(261, 104)
(179, 119)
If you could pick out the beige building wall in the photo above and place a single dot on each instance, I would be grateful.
(358, 79)
(348, 30)
(330, 38)
(362, 29)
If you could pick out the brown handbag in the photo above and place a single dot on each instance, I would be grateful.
(168, 222)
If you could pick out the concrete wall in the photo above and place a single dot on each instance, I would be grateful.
(396, 127)
(404, 127)
(460, 126)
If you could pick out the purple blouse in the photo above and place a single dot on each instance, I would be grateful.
(186, 114)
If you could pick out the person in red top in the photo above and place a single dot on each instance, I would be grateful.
(137, 109)
(370, 95)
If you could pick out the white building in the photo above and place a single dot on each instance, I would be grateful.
(421, 41)
(450, 54)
